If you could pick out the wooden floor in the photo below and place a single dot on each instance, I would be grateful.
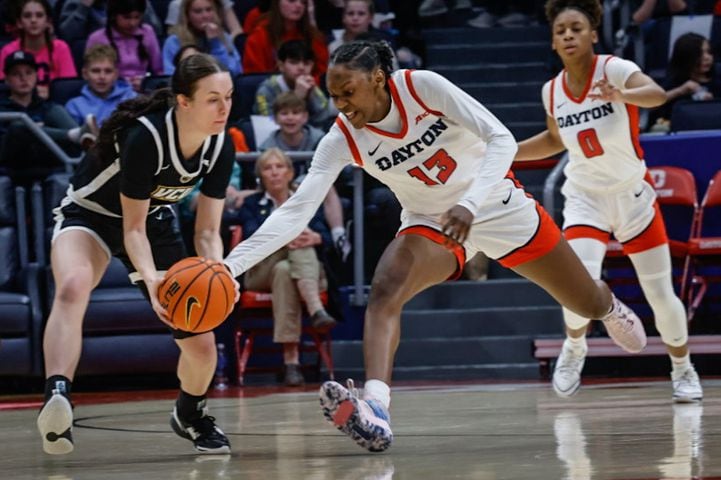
(626, 431)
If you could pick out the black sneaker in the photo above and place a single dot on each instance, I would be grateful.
(322, 320)
(203, 432)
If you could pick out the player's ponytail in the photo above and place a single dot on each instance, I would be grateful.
(365, 56)
(183, 82)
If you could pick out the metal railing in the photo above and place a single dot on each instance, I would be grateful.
(38, 132)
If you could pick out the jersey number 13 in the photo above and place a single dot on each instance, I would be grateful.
(440, 166)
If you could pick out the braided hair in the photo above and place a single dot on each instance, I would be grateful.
(365, 56)
(590, 8)
(183, 82)
(118, 7)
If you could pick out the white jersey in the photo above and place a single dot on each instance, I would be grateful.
(437, 147)
(601, 137)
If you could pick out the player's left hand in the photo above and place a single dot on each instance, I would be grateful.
(606, 92)
(456, 223)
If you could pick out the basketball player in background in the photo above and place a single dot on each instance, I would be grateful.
(447, 159)
(150, 153)
(592, 111)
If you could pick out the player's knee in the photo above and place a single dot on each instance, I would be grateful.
(75, 287)
(387, 287)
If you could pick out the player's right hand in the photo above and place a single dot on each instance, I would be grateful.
(152, 285)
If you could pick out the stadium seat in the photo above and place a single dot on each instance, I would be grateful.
(677, 197)
(63, 89)
(690, 115)
(703, 264)
(122, 334)
(244, 94)
(155, 82)
(20, 302)
(253, 319)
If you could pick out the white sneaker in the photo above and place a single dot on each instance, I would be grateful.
(430, 8)
(483, 20)
(567, 374)
(625, 328)
(55, 423)
(686, 386)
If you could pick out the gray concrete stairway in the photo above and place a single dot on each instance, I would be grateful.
(503, 68)
(466, 330)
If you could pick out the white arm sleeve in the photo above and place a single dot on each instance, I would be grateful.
(619, 70)
(289, 220)
(440, 94)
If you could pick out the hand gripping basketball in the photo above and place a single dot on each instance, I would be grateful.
(197, 293)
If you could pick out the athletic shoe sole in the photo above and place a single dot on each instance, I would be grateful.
(180, 431)
(684, 399)
(341, 409)
(569, 392)
(55, 423)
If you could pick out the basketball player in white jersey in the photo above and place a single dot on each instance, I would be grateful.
(447, 159)
(592, 111)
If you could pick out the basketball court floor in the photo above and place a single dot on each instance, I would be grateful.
(620, 431)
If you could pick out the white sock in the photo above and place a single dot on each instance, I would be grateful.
(680, 364)
(377, 390)
(578, 345)
(336, 233)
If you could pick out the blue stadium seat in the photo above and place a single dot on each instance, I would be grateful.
(63, 89)
(20, 303)
(690, 115)
(244, 94)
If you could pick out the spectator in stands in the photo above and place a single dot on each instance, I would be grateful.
(35, 36)
(230, 19)
(103, 91)
(649, 9)
(357, 20)
(254, 15)
(295, 134)
(21, 152)
(79, 18)
(286, 20)
(135, 42)
(295, 63)
(200, 24)
(690, 76)
(293, 274)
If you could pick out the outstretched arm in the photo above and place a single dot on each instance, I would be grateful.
(543, 145)
(289, 220)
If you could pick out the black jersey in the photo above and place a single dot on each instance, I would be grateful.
(149, 165)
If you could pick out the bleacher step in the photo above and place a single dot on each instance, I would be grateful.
(494, 371)
(473, 53)
(492, 293)
(486, 35)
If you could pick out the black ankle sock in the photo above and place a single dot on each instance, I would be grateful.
(60, 383)
(190, 406)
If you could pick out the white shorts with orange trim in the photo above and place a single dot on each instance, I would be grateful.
(511, 227)
(632, 216)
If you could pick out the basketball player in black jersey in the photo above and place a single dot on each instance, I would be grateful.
(149, 155)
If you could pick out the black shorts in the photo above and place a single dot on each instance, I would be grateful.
(162, 230)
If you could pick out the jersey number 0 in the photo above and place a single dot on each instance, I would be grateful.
(445, 163)
(588, 140)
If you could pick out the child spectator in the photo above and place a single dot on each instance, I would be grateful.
(230, 19)
(690, 76)
(135, 42)
(286, 20)
(79, 18)
(103, 91)
(21, 153)
(357, 20)
(35, 36)
(295, 134)
(200, 24)
(295, 62)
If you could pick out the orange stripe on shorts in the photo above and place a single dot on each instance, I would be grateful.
(543, 241)
(437, 237)
(652, 236)
(586, 231)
